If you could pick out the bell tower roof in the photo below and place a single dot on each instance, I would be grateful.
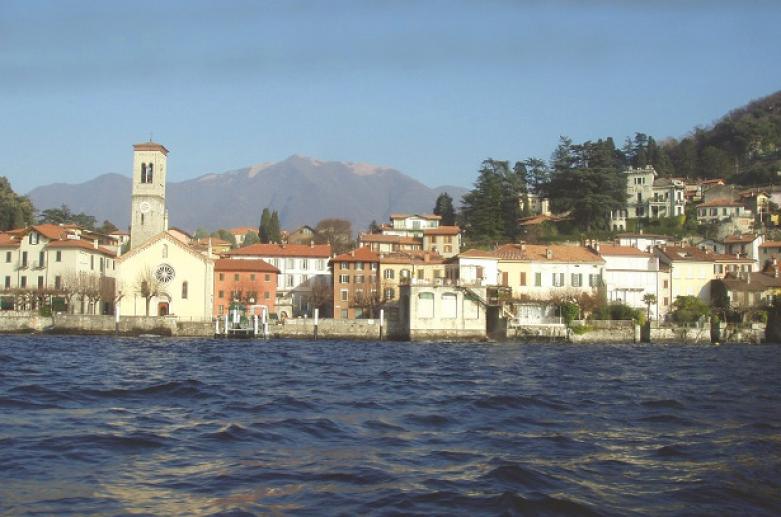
(150, 146)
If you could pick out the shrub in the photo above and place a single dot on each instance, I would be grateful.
(689, 309)
(569, 311)
(618, 311)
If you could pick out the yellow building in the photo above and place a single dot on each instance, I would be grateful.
(398, 269)
(691, 271)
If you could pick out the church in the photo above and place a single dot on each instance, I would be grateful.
(160, 275)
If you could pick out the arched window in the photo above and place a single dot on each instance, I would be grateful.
(184, 290)
(149, 173)
(143, 173)
(165, 250)
(449, 305)
(426, 305)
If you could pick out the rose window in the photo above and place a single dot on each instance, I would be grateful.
(164, 273)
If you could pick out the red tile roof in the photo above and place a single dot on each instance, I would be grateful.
(685, 253)
(770, 244)
(622, 251)
(150, 146)
(258, 266)
(718, 203)
(390, 239)
(442, 230)
(243, 230)
(539, 252)
(419, 257)
(358, 255)
(475, 253)
(284, 250)
(8, 241)
(51, 231)
(746, 238)
(80, 244)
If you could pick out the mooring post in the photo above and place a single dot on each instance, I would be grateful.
(116, 318)
(255, 324)
(226, 323)
(317, 320)
(265, 322)
(216, 327)
(382, 317)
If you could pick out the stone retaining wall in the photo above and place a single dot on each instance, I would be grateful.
(15, 322)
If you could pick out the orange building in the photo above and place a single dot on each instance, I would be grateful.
(250, 282)
(356, 280)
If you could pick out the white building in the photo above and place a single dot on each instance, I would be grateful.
(649, 196)
(643, 241)
(631, 274)
(303, 270)
(161, 275)
(411, 225)
(474, 267)
(55, 261)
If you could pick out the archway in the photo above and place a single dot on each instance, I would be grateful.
(163, 309)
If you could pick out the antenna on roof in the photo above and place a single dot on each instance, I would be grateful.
(150, 137)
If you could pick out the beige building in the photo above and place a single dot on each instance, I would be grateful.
(397, 269)
(443, 240)
(691, 271)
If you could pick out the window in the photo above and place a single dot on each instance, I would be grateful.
(24, 259)
(290, 280)
(345, 265)
(404, 273)
(558, 279)
(8, 255)
(577, 279)
(291, 263)
(523, 277)
(666, 301)
(359, 279)
(304, 264)
(142, 219)
(8, 282)
(426, 305)
(344, 314)
(236, 277)
(538, 279)
(449, 305)
(184, 290)
(33, 237)
(92, 262)
(421, 274)
(220, 309)
(344, 279)
(267, 277)
(222, 276)
(252, 276)
(664, 284)
(390, 293)
(343, 295)
(593, 280)
(23, 282)
(149, 173)
(266, 295)
(221, 294)
(359, 266)
(41, 259)
(388, 274)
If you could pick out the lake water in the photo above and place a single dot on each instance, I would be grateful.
(101, 425)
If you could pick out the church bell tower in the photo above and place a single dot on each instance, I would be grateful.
(148, 215)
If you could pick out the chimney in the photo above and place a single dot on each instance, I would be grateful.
(311, 244)
(596, 246)
(352, 253)
(95, 244)
(548, 253)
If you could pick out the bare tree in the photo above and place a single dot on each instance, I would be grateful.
(321, 296)
(336, 232)
(148, 286)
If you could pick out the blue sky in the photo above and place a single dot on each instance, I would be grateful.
(430, 88)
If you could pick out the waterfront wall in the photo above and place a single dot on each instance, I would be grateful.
(14, 322)
(328, 328)
(605, 331)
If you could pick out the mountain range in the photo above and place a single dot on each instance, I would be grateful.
(303, 190)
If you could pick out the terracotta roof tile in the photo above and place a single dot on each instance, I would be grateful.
(358, 255)
(770, 244)
(622, 251)
(539, 253)
(390, 239)
(80, 244)
(255, 265)
(8, 241)
(442, 230)
(719, 203)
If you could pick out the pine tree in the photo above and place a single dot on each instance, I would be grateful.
(444, 208)
(15, 211)
(275, 232)
(481, 212)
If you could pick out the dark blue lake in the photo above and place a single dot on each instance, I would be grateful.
(100, 425)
